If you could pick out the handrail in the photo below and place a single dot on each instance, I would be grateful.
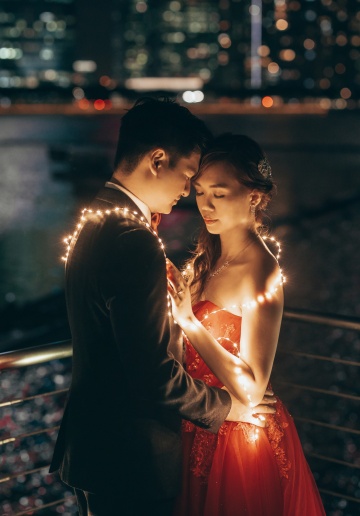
(320, 391)
(29, 398)
(301, 354)
(35, 355)
(23, 473)
(338, 428)
(33, 510)
(29, 434)
(60, 350)
(309, 316)
(331, 459)
(63, 349)
(331, 493)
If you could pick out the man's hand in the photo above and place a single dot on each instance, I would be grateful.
(253, 415)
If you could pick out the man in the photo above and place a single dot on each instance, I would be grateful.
(119, 443)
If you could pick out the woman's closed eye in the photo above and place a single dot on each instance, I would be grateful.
(216, 196)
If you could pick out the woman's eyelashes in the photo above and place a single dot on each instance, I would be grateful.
(216, 196)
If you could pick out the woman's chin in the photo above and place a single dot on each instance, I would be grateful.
(212, 231)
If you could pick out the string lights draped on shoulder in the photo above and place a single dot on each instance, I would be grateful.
(87, 213)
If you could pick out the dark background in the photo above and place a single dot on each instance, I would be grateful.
(58, 130)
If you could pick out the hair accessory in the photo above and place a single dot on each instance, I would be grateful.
(264, 168)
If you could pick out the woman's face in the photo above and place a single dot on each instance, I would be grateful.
(223, 202)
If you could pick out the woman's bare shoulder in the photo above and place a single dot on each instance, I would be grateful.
(263, 270)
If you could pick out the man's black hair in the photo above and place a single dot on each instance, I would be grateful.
(162, 123)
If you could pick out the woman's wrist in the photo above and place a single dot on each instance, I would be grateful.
(189, 323)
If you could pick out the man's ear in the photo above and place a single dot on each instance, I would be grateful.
(158, 158)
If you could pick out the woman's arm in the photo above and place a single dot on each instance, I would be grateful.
(247, 375)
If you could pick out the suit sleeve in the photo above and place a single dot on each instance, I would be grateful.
(135, 294)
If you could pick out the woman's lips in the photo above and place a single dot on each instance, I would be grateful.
(210, 221)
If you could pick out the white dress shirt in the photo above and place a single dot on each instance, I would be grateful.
(144, 208)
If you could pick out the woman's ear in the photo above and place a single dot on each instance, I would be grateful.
(157, 159)
(255, 198)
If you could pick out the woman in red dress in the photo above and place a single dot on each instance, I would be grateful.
(231, 333)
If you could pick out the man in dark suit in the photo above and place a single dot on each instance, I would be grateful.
(119, 443)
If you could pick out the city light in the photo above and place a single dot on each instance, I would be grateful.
(164, 83)
(83, 66)
(290, 49)
(193, 96)
(267, 102)
(256, 43)
(99, 104)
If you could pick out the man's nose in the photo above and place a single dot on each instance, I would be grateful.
(186, 190)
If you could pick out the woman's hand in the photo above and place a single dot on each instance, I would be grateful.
(180, 296)
(254, 415)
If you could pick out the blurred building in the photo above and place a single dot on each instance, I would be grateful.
(161, 38)
(243, 48)
(312, 47)
(288, 47)
(36, 43)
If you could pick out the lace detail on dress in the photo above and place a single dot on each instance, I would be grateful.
(205, 443)
(194, 364)
(249, 431)
(227, 330)
(203, 448)
(210, 379)
(275, 434)
(202, 453)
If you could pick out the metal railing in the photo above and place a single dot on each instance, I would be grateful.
(60, 350)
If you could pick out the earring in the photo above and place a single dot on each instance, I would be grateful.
(252, 208)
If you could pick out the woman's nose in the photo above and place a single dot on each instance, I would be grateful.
(205, 203)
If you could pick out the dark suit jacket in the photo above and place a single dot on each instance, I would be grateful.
(121, 425)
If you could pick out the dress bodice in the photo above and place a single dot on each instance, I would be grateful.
(224, 326)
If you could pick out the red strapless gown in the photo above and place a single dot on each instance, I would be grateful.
(240, 471)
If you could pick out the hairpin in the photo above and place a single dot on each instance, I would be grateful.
(264, 168)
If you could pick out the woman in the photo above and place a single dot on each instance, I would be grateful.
(232, 332)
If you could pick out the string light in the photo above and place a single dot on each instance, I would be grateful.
(86, 214)
(260, 299)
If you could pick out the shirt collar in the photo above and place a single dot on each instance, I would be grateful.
(144, 208)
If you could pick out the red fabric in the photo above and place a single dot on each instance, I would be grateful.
(243, 470)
